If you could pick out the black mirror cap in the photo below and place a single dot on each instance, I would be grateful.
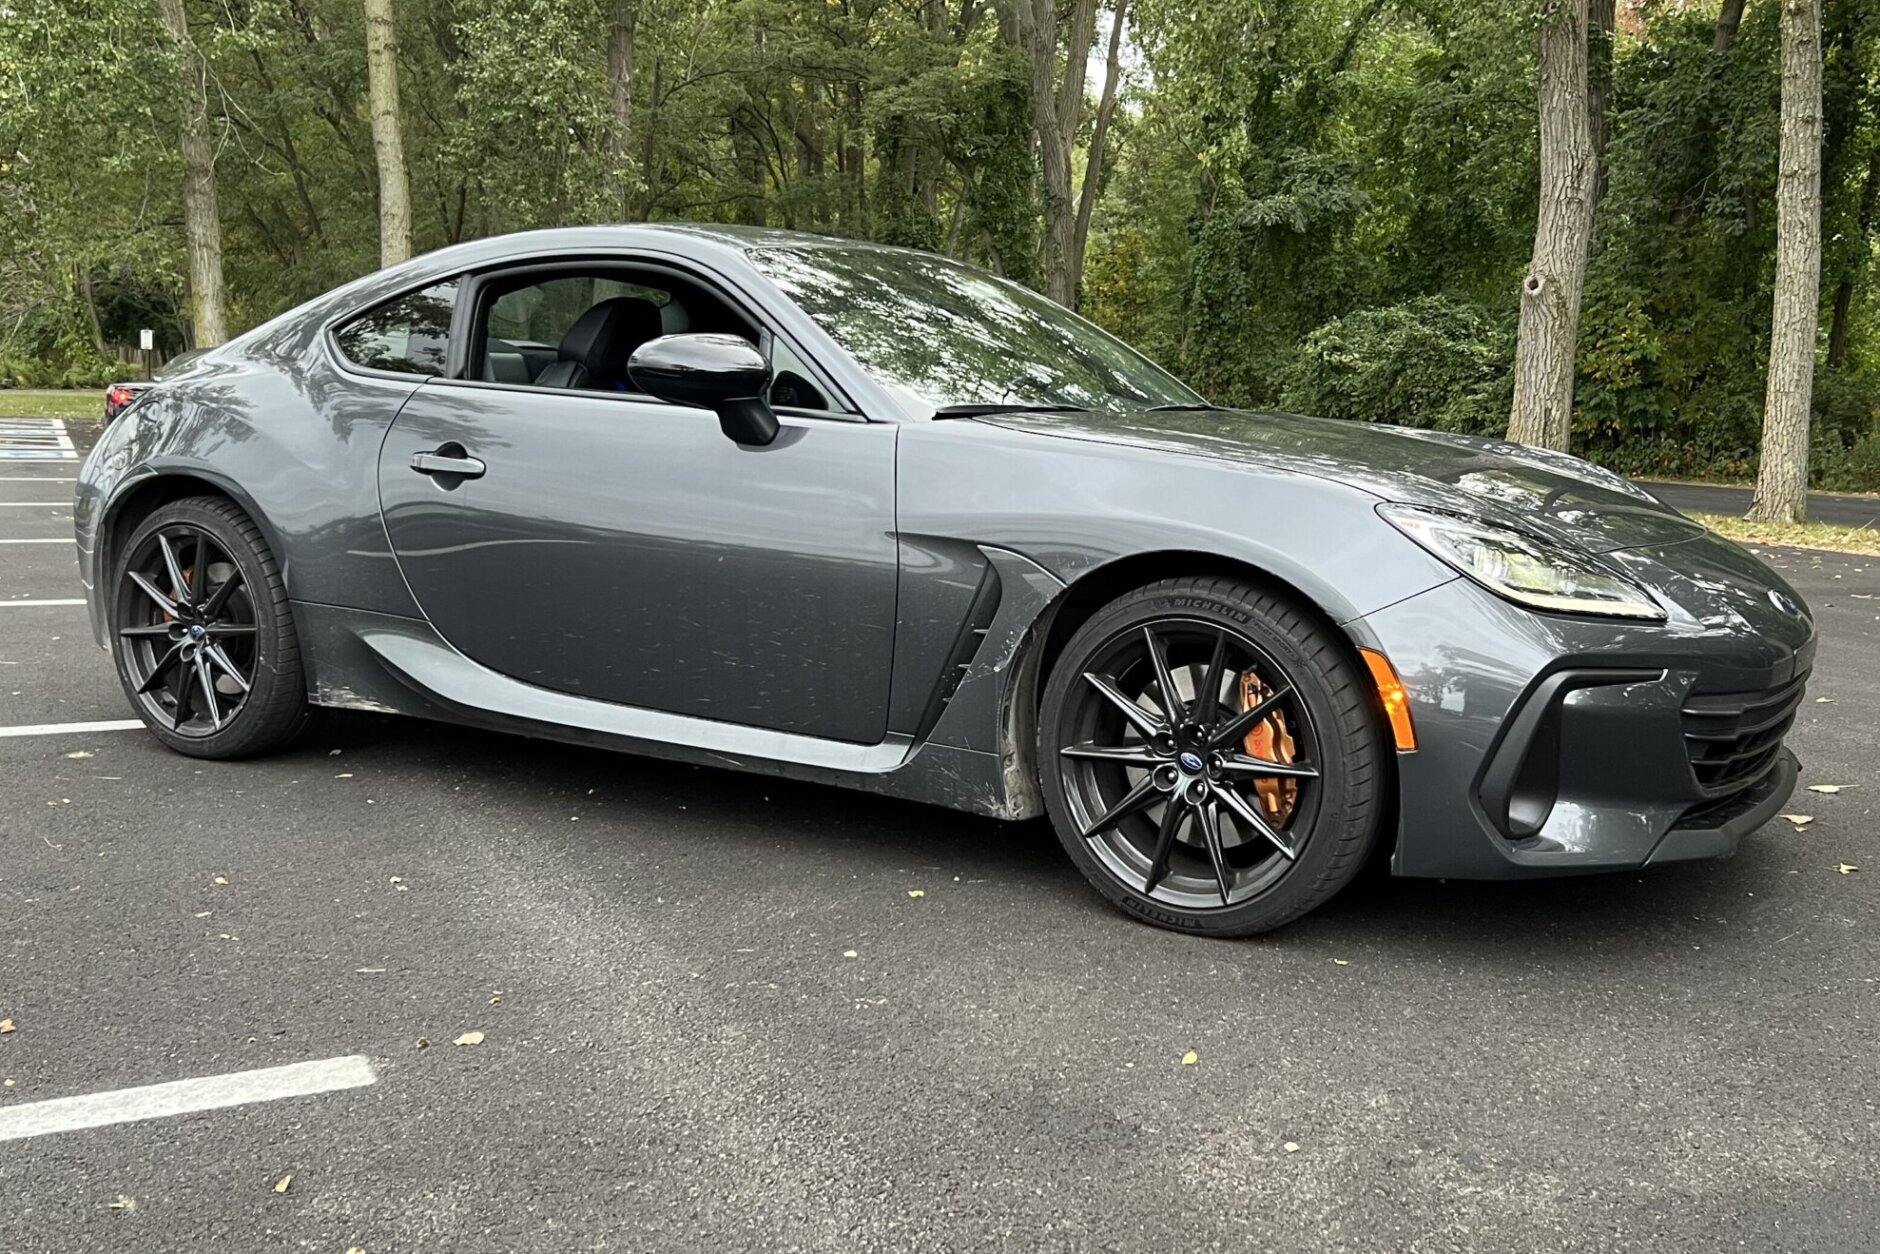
(722, 373)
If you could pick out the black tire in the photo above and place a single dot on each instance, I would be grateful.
(1183, 869)
(252, 627)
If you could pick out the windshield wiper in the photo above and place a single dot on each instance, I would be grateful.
(1000, 407)
(1172, 409)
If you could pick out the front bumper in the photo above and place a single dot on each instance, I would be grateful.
(1553, 746)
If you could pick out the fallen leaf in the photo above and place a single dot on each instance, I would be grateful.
(1190, 1058)
(1291, 1147)
(1830, 788)
(123, 1203)
(916, 892)
(280, 1186)
(1800, 820)
(469, 1038)
(8, 1082)
(1341, 962)
(424, 1042)
(203, 914)
(353, 1249)
(1846, 868)
(368, 970)
(496, 998)
(850, 953)
(344, 775)
(332, 753)
(1824, 700)
(221, 879)
(81, 753)
(6, 1025)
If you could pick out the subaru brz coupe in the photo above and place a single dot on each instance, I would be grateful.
(874, 518)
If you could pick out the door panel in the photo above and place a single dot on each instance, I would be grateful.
(625, 550)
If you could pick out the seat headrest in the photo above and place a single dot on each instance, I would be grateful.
(601, 339)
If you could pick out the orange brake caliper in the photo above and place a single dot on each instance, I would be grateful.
(1273, 742)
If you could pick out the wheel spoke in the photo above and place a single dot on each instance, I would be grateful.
(1217, 853)
(1244, 767)
(1164, 682)
(1142, 720)
(214, 653)
(1141, 797)
(230, 629)
(1164, 843)
(150, 590)
(154, 680)
(213, 607)
(1208, 696)
(152, 629)
(1251, 817)
(1123, 755)
(208, 692)
(199, 570)
(178, 585)
(185, 696)
(1239, 725)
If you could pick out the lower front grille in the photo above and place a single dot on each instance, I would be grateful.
(1733, 737)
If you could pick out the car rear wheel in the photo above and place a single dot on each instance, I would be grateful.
(1210, 757)
(204, 639)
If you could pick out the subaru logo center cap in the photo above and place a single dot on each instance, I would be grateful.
(1191, 762)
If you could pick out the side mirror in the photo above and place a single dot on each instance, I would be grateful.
(723, 373)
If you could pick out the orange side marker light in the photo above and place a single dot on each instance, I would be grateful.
(1396, 701)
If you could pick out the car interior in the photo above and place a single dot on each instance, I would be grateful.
(577, 329)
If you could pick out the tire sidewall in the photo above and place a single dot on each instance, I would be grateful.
(1312, 672)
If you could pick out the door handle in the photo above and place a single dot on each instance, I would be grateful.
(448, 459)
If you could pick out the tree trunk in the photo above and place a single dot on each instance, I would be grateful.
(202, 219)
(1056, 109)
(1550, 294)
(1599, 31)
(1728, 19)
(1844, 290)
(1782, 478)
(388, 141)
(1099, 138)
(90, 301)
(626, 20)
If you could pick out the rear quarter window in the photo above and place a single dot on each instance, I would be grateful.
(409, 335)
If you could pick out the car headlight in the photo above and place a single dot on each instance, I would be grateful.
(1524, 568)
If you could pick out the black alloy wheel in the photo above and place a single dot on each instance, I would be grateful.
(203, 640)
(1211, 761)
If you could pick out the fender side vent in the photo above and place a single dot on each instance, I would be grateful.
(965, 649)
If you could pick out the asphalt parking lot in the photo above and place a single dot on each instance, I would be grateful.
(727, 1013)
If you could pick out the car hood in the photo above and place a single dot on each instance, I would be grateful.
(1561, 497)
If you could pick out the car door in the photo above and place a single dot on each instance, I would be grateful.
(623, 549)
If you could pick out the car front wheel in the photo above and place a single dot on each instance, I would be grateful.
(1211, 757)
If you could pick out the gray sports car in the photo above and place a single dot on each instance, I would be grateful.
(871, 517)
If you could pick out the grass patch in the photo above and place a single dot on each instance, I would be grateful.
(77, 403)
(1795, 535)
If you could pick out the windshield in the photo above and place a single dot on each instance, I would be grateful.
(950, 335)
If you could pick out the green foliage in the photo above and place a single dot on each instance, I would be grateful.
(1327, 204)
(1430, 362)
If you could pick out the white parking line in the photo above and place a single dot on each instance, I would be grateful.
(38, 479)
(70, 729)
(44, 601)
(35, 504)
(54, 540)
(184, 1097)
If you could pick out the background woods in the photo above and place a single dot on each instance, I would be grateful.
(1329, 205)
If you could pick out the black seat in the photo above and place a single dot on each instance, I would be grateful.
(594, 353)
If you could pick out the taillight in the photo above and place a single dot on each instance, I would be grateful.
(119, 396)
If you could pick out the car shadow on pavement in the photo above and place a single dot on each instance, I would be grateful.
(681, 805)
